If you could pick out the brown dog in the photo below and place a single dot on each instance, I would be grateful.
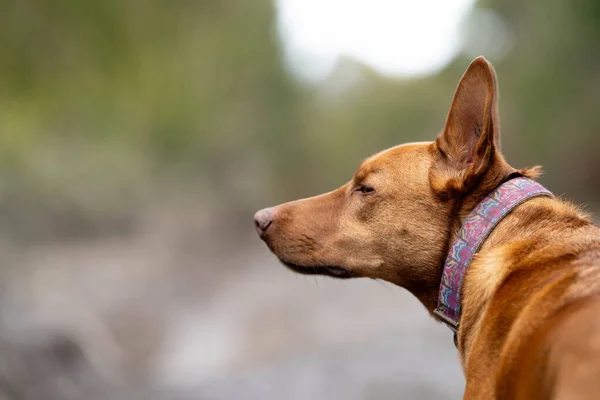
(530, 324)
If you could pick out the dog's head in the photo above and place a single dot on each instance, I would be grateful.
(394, 218)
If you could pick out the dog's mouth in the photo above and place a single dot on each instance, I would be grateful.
(333, 271)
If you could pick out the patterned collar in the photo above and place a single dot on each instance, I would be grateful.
(475, 230)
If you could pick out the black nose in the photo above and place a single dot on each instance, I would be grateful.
(262, 220)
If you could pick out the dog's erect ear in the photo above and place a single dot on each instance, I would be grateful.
(470, 138)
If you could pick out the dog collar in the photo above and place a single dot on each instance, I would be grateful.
(474, 231)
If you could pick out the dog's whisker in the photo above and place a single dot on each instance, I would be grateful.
(384, 284)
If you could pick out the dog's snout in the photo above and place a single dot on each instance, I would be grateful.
(263, 219)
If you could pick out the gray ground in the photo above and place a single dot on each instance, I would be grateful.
(157, 316)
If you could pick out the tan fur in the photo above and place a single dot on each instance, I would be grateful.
(530, 325)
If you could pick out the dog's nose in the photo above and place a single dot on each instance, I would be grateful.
(262, 220)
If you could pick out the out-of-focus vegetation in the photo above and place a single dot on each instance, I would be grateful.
(137, 138)
(103, 101)
(104, 104)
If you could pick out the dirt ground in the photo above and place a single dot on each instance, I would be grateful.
(169, 313)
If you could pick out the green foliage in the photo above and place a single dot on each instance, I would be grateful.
(102, 90)
(105, 97)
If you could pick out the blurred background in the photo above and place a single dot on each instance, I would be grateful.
(137, 139)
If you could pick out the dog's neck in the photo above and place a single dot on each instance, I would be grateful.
(539, 220)
(475, 230)
(427, 290)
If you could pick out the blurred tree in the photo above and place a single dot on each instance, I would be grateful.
(106, 103)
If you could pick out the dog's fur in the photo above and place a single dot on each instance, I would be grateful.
(530, 325)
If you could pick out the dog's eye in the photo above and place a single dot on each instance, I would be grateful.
(365, 189)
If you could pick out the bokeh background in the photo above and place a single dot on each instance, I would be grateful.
(137, 139)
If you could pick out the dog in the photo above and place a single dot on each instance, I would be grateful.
(527, 316)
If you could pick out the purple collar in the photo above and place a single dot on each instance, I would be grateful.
(475, 230)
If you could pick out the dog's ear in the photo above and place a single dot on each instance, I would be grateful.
(469, 144)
